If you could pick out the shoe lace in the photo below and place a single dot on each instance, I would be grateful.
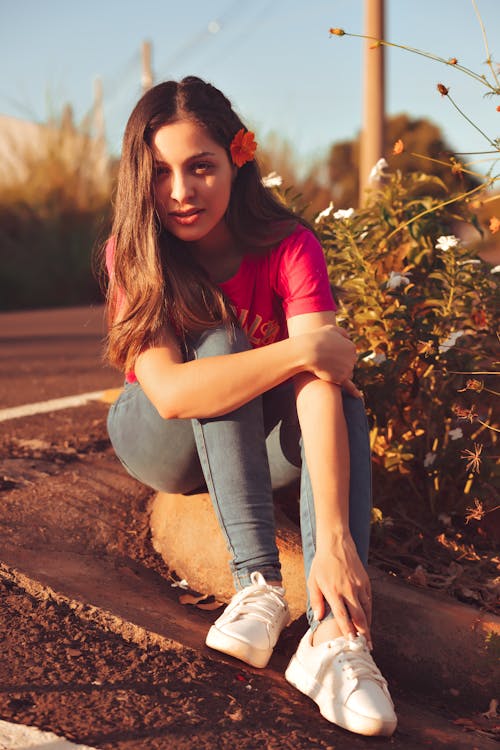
(258, 601)
(356, 660)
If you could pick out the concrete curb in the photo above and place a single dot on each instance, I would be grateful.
(441, 647)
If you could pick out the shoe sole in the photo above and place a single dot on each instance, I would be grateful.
(227, 644)
(297, 676)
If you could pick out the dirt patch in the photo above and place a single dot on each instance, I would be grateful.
(70, 676)
(91, 678)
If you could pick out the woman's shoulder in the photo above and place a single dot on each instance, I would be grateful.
(301, 240)
(300, 234)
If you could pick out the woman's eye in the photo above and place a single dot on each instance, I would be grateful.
(160, 171)
(202, 167)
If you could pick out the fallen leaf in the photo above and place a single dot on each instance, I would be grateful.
(201, 601)
(236, 715)
(34, 444)
(492, 712)
(191, 598)
(180, 584)
(419, 576)
(209, 606)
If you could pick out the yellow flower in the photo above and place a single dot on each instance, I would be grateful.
(337, 32)
(475, 513)
(474, 385)
(452, 61)
(473, 458)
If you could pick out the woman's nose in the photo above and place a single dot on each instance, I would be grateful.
(181, 188)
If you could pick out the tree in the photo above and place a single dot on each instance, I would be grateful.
(421, 138)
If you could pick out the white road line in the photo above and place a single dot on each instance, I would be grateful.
(42, 407)
(21, 737)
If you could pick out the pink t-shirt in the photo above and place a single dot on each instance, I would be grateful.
(291, 279)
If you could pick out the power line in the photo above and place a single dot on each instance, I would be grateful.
(204, 35)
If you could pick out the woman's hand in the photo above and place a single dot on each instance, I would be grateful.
(331, 355)
(351, 390)
(338, 576)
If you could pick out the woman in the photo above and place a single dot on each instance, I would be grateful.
(237, 377)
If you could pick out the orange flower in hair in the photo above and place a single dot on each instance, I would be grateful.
(243, 147)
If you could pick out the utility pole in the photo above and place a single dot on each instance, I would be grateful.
(147, 71)
(372, 135)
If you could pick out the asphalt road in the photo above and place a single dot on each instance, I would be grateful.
(47, 354)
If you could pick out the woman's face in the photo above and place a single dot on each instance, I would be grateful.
(192, 183)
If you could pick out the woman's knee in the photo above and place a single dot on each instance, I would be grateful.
(355, 415)
(221, 340)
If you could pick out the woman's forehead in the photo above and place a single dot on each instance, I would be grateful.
(181, 140)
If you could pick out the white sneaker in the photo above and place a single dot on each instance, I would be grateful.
(251, 623)
(342, 678)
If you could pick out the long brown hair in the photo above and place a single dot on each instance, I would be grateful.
(156, 281)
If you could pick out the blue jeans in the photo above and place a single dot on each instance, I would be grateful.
(240, 457)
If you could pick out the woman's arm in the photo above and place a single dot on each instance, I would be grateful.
(213, 386)
(337, 573)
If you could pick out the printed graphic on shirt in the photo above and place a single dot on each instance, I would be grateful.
(259, 333)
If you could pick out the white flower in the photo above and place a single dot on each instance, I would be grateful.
(456, 434)
(343, 213)
(396, 279)
(450, 341)
(445, 242)
(376, 358)
(429, 459)
(495, 269)
(363, 235)
(378, 170)
(273, 179)
(324, 214)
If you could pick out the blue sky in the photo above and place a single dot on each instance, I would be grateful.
(274, 59)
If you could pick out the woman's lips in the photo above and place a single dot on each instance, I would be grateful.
(185, 218)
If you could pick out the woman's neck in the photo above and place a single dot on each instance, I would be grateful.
(218, 254)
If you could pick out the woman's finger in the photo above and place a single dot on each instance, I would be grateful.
(357, 611)
(365, 599)
(342, 618)
(351, 390)
(316, 600)
(343, 332)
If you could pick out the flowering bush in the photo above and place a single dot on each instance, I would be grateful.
(421, 308)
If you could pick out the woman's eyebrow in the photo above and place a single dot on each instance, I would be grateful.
(201, 155)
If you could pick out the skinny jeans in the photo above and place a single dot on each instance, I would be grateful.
(240, 457)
